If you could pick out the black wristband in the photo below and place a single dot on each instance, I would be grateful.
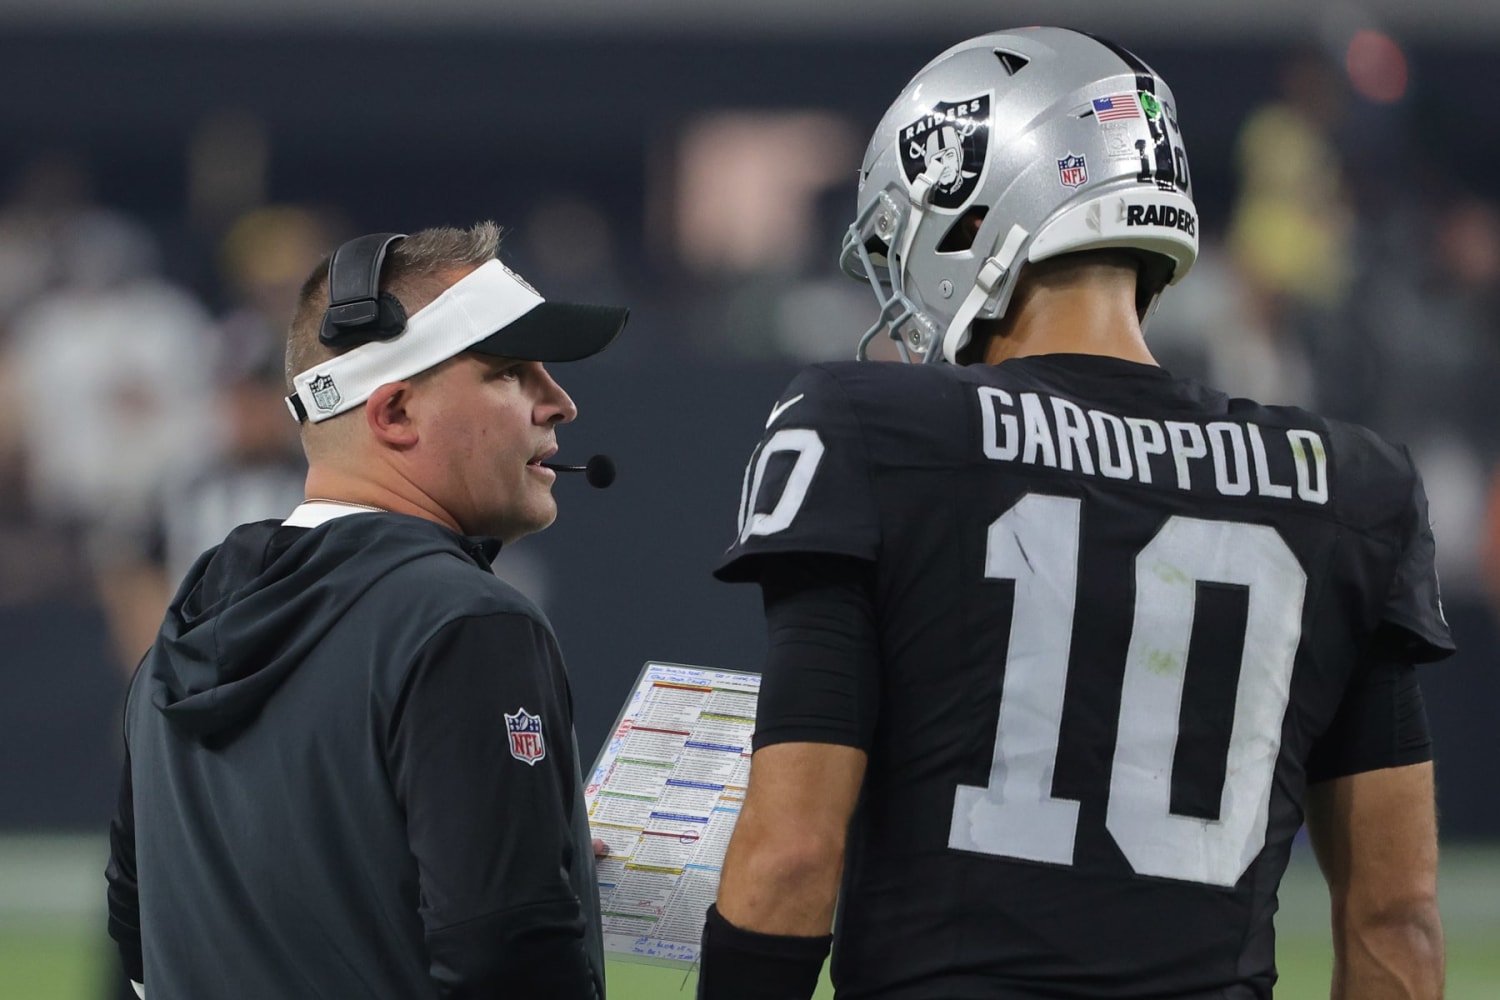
(743, 965)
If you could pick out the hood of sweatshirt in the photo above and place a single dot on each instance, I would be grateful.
(251, 609)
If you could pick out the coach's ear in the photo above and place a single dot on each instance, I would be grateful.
(389, 417)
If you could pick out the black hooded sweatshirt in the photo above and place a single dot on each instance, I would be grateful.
(351, 772)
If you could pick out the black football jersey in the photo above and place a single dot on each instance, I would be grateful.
(1116, 611)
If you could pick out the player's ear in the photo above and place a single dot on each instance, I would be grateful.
(389, 417)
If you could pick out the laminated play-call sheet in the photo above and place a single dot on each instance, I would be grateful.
(665, 795)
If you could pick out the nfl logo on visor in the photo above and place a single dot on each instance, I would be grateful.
(324, 392)
(525, 730)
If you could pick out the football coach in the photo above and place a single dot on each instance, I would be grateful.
(351, 768)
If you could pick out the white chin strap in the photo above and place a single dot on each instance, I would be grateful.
(986, 283)
(921, 192)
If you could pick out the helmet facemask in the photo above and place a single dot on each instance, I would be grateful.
(891, 219)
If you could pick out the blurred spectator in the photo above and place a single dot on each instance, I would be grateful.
(257, 472)
(113, 372)
(1426, 319)
(1212, 327)
(1291, 225)
(1489, 543)
(264, 257)
(258, 475)
(36, 227)
(757, 214)
(48, 194)
(1427, 310)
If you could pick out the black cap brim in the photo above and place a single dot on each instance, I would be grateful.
(556, 331)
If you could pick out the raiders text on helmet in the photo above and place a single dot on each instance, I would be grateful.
(1060, 141)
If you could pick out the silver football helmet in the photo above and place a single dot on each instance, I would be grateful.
(1060, 141)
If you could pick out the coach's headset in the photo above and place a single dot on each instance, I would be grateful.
(358, 311)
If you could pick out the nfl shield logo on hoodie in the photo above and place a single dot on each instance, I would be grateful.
(525, 730)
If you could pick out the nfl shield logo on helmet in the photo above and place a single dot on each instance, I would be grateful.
(324, 392)
(953, 140)
(1073, 171)
(526, 743)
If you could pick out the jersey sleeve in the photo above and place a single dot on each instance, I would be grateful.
(1413, 628)
(1381, 722)
(482, 761)
(821, 682)
(807, 487)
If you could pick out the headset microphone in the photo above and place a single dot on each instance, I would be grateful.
(599, 470)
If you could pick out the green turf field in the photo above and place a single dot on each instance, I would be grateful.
(52, 944)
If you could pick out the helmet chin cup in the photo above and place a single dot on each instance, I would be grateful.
(900, 319)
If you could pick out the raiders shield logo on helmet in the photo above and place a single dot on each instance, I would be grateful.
(955, 135)
(324, 392)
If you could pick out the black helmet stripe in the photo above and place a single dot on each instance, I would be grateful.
(1145, 78)
(1159, 163)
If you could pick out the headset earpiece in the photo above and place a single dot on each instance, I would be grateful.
(358, 312)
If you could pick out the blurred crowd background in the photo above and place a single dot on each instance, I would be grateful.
(164, 189)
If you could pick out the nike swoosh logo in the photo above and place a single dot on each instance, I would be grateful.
(781, 408)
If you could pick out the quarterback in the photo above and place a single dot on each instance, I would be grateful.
(1063, 649)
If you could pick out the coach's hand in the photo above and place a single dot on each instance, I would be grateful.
(601, 849)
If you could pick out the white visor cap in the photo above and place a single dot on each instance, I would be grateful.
(489, 311)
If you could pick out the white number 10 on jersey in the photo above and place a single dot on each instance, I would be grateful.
(1036, 543)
